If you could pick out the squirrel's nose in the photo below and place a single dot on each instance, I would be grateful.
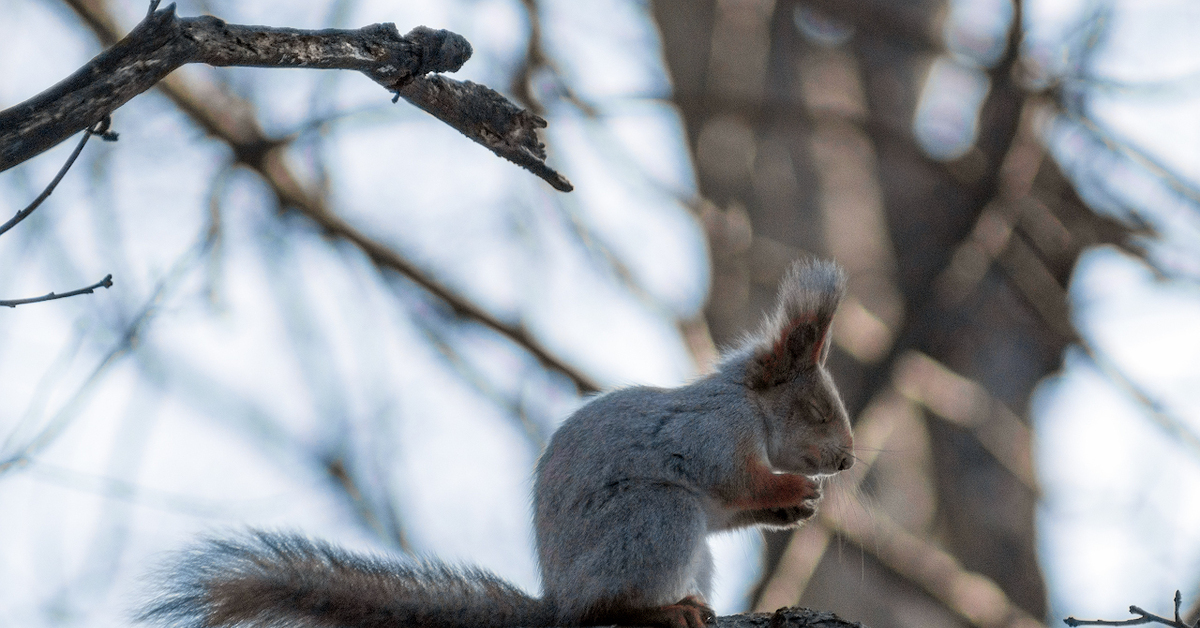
(845, 462)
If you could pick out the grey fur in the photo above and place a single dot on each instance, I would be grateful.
(267, 580)
(626, 493)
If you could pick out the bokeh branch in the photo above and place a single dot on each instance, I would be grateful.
(233, 121)
(1176, 428)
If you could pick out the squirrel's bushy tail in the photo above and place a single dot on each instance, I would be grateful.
(265, 580)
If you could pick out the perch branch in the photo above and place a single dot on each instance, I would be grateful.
(162, 42)
(794, 617)
(103, 283)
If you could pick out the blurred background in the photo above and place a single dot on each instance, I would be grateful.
(335, 315)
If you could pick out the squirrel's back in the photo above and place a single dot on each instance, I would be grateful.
(632, 431)
(266, 580)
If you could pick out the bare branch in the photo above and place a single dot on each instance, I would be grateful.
(1145, 618)
(1175, 427)
(971, 595)
(103, 283)
(1125, 147)
(163, 42)
(101, 129)
(55, 426)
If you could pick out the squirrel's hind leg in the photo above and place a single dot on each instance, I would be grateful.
(690, 612)
(638, 558)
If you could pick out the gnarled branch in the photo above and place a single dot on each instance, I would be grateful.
(163, 42)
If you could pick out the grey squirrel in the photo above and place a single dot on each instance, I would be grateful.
(626, 493)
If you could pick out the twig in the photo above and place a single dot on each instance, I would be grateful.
(103, 283)
(1175, 427)
(1146, 618)
(1122, 146)
(101, 129)
(128, 341)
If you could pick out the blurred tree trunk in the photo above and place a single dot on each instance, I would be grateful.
(800, 118)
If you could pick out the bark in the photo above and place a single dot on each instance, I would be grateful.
(794, 617)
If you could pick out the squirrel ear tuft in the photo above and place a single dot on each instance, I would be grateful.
(795, 337)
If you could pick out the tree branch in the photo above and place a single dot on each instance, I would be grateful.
(163, 42)
(103, 283)
(489, 119)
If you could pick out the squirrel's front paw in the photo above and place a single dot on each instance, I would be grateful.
(690, 612)
(788, 517)
(795, 514)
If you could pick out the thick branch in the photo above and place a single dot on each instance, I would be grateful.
(794, 617)
(163, 42)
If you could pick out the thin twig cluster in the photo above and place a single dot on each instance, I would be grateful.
(165, 41)
(101, 128)
(1144, 618)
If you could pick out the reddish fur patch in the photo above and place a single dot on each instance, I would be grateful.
(690, 612)
(820, 345)
(774, 490)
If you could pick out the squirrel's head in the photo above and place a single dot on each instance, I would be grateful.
(808, 431)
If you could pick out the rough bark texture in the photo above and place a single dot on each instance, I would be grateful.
(163, 42)
(488, 118)
(794, 617)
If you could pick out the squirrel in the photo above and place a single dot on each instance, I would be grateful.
(625, 495)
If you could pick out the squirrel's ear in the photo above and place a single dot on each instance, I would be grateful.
(796, 336)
